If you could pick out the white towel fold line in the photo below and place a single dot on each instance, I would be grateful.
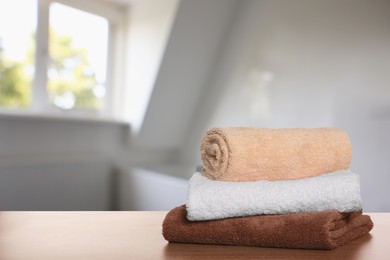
(210, 199)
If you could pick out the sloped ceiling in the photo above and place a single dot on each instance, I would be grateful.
(188, 63)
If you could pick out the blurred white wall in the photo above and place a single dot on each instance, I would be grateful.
(262, 63)
(309, 63)
(59, 164)
(277, 63)
(72, 185)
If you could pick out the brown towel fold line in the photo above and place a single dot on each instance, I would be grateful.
(251, 154)
(313, 230)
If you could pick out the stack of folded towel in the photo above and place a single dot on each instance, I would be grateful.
(286, 188)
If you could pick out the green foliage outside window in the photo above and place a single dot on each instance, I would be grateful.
(69, 72)
(15, 84)
(72, 73)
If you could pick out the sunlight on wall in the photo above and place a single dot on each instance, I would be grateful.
(149, 27)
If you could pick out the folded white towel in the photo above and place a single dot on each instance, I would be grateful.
(210, 199)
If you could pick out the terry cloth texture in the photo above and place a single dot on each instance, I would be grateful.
(210, 199)
(251, 154)
(314, 230)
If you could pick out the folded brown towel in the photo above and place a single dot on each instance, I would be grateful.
(251, 154)
(314, 230)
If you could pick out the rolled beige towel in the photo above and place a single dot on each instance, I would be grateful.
(251, 154)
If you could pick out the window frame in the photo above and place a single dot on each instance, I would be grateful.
(116, 17)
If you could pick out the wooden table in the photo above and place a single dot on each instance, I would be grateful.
(137, 235)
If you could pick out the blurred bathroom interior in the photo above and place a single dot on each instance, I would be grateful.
(103, 102)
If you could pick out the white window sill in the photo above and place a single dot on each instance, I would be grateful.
(60, 116)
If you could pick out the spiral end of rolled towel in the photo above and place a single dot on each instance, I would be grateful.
(215, 152)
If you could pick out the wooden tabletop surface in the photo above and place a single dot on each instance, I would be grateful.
(137, 235)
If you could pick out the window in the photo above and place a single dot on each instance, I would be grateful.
(55, 55)
(78, 58)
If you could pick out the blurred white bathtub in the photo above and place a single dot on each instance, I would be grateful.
(144, 189)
